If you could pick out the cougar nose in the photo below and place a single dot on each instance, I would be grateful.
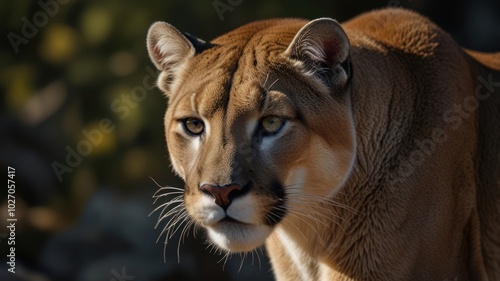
(222, 194)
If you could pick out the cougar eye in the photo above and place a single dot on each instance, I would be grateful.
(193, 126)
(272, 124)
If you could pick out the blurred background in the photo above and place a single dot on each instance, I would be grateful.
(83, 127)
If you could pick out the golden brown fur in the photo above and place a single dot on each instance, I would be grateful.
(390, 170)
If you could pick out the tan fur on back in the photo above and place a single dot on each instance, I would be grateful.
(394, 175)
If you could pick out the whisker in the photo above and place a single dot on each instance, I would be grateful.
(167, 191)
(181, 238)
(253, 255)
(167, 211)
(258, 256)
(331, 201)
(242, 257)
(302, 201)
(321, 215)
(313, 186)
(165, 206)
(164, 249)
(211, 248)
(157, 184)
(176, 214)
(157, 197)
(286, 210)
(225, 258)
(265, 81)
(164, 187)
(173, 213)
(180, 220)
(272, 84)
(298, 214)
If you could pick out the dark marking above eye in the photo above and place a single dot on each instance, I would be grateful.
(263, 97)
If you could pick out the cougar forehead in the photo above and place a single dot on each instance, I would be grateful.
(237, 67)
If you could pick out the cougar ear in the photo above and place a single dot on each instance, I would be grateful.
(321, 49)
(169, 49)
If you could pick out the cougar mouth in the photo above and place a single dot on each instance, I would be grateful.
(245, 222)
(229, 219)
(235, 236)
